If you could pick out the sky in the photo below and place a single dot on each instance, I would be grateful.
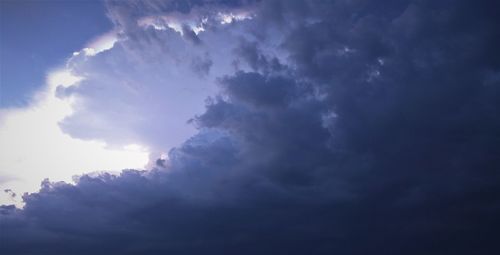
(249, 127)
(33, 55)
(31, 46)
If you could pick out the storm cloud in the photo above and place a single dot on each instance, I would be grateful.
(357, 127)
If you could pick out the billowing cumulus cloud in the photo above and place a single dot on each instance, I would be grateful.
(348, 127)
(156, 77)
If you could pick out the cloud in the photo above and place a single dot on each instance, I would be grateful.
(163, 64)
(201, 65)
(320, 156)
(32, 140)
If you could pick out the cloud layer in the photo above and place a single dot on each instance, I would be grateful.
(348, 127)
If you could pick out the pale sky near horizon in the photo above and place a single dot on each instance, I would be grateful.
(36, 38)
(34, 147)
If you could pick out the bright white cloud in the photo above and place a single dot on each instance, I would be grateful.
(230, 17)
(33, 147)
(102, 43)
(195, 22)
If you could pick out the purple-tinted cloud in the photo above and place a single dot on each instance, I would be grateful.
(376, 135)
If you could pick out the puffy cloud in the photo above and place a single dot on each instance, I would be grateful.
(26, 134)
(156, 76)
(377, 134)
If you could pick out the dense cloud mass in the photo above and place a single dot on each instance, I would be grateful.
(344, 127)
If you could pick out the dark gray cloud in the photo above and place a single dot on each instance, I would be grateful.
(379, 135)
